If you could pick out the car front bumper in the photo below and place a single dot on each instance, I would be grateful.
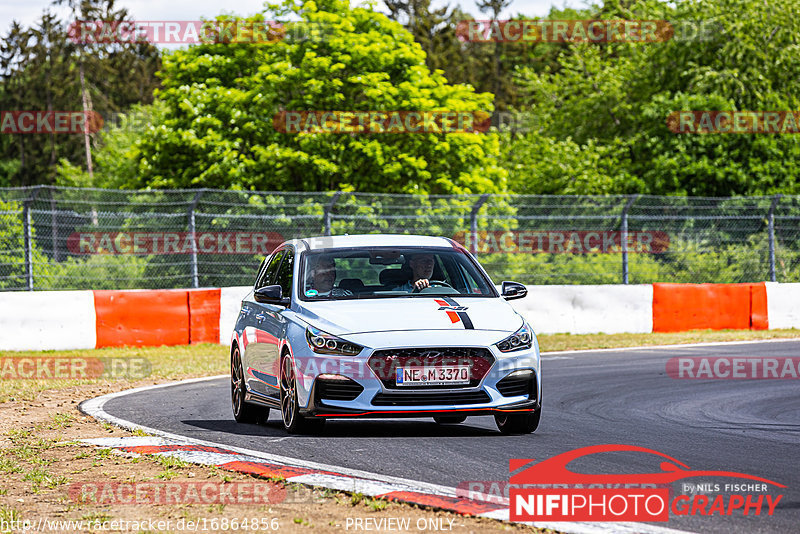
(500, 390)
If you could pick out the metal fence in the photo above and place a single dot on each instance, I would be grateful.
(70, 238)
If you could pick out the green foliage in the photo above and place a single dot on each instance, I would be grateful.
(220, 100)
(116, 163)
(101, 271)
(614, 99)
(542, 165)
(12, 246)
(40, 70)
(732, 263)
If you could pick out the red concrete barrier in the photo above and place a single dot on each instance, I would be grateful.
(759, 316)
(204, 310)
(681, 307)
(142, 318)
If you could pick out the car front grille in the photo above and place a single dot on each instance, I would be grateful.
(338, 390)
(384, 364)
(430, 398)
(517, 384)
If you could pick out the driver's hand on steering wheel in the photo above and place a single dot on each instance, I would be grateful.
(421, 284)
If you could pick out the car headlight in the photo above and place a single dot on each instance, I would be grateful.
(324, 343)
(520, 340)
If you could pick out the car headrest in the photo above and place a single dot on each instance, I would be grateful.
(353, 284)
(395, 277)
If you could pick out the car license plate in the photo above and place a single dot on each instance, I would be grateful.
(432, 376)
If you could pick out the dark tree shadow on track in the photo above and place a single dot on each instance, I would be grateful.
(367, 428)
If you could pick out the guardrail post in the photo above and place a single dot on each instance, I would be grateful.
(26, 223)
(54, 225)
(193, 237)
(624, 237)
(473, 223)
(328, 209)
(771, 231)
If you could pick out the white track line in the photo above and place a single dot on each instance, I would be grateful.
(94, 407)
(370, 483)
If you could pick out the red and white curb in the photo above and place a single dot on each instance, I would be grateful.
(299, 471)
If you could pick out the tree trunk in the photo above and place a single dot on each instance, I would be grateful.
(87, 108)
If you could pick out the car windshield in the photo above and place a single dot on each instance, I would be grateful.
(381, 272)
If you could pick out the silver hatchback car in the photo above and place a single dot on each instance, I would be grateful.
(378, 326)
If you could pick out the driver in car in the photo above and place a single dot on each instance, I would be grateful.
(421, 272)
(323, 276)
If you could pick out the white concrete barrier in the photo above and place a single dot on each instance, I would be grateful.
(63, 320)
(230, 302)
(47, 320)
(610, 309)
(783, 305)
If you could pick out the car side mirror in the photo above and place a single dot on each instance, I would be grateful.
(513, 290)
(270, 295)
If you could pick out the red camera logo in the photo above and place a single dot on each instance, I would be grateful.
(571, 503)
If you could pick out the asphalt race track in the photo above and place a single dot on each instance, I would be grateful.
(590, 398)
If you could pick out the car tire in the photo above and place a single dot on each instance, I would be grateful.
(450, 419)
(524, 423)
(242, 411)
(293, 421)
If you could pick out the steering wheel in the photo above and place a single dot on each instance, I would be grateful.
(432, 284)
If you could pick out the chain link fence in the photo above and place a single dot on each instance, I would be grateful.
(70, 238)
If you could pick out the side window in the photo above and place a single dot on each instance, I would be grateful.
(268, 276)
(285, 273)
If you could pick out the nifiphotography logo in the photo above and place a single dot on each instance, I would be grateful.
(571, 496)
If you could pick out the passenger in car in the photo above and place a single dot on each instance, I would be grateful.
(421, 272)
(322, 277)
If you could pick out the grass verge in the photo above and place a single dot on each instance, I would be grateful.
(39, 458)
(553, 342)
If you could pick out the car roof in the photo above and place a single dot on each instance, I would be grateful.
(375, 240)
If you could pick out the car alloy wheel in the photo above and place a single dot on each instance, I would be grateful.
(288, 394)
(242, 411)
(293, 422)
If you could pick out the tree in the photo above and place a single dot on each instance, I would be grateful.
(44, 68)
(618, 96)
(495, 7)
(220, 100)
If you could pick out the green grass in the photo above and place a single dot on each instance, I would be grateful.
(7, 515)
(553, 342)
(61, 420)
(165, 362)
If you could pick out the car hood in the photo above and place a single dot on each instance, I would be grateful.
(340, 317)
